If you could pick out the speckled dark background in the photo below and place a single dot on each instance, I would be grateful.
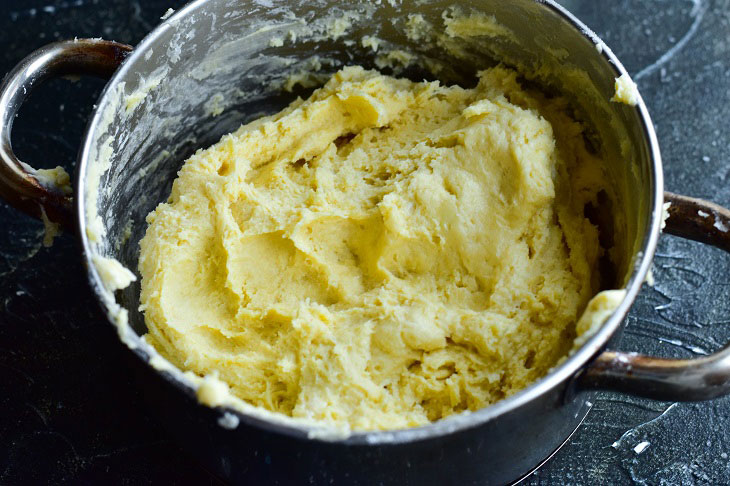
(70, 411)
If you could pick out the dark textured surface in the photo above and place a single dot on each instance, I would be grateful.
(70, 411)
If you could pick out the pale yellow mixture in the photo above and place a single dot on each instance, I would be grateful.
(381, 255)
(626, 91)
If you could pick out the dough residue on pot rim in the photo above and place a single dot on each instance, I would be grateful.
(381, 255)
(626, 91)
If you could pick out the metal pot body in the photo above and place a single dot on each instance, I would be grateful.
(218, 63)
(499, 451)
(222, 50)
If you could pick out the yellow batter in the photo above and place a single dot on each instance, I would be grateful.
(381, 255)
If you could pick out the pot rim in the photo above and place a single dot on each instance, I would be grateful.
(570, 368)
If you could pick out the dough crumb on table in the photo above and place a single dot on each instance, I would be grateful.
(381, 255)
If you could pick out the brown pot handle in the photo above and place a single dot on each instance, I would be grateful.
(671, 379)
(20, 185)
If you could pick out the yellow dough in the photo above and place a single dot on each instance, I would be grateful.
(381, 255)
(626, 91)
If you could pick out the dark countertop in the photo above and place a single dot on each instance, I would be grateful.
(70, 411)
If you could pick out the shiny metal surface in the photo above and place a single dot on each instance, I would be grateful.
(79, 57)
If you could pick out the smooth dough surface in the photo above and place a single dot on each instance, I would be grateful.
(381, 255)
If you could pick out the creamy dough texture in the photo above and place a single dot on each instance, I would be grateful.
(626, 91)
(381, 255)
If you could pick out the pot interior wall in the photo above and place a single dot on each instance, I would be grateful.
(219, 64)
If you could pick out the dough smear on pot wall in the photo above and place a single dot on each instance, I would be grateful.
(385, 253)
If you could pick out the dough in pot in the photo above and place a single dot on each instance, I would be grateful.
(381, 255)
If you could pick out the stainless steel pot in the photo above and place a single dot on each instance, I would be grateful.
(216, 63)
